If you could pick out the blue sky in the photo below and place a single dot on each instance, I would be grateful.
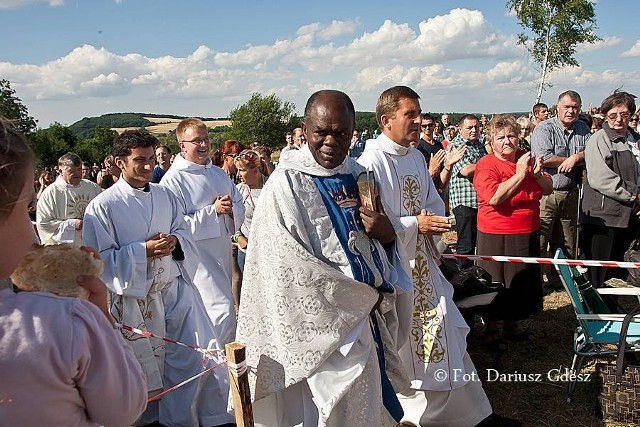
(70, 59)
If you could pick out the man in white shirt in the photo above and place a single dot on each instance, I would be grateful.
(317, 310)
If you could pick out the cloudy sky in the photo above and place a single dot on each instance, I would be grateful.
(70, 59)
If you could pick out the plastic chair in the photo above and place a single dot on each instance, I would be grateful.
(598, 329)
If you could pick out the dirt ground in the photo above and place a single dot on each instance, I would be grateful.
(539, 401)
(541, 398)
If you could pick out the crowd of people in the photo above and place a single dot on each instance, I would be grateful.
(325, 265)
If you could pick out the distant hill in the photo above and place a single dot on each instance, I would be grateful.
(85, 128)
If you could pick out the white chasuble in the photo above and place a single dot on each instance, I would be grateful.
(58, 208)
(304, 319)
(156, 295)
(437, 332)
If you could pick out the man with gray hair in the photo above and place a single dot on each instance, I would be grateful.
(60, 209)
(560, 141)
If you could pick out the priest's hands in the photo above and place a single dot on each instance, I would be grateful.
(376, 224)
(160, 245)
(223, 205)
(429, 222)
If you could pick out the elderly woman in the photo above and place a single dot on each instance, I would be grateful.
(610, 203)
(510, 184)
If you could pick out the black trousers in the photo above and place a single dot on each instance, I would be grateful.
(600, 242)
(467, 229)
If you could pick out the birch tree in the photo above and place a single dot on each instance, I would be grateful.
(555, 28)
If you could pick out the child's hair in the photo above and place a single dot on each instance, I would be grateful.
(16, 163)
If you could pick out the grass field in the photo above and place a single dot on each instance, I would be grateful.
(540, 403)
(167, 124)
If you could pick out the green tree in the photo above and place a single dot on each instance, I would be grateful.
(12, 108)
(264, 119)
(97, 148)
(366, 119)
(169, 139)
(49, 144)
(557, 27)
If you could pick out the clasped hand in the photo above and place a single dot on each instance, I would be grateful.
(223, 205)
(529, 163)
(568, 164)
(160, 245)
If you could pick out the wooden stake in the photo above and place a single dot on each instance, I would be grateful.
(239, 385)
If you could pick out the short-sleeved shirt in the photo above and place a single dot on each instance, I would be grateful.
(551, 138)
(461, 191)
(158, 173)
(520, 213)
(429, 150)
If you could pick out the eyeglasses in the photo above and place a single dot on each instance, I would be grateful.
(633, 119)
(199, 141)
(624, 115)
(430, 125)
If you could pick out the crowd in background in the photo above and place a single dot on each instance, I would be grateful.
(557, 178)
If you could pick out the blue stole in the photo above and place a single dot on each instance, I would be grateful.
(342, 200)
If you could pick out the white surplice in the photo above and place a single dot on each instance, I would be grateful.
(437, 332)
(198, 187)
(157, 295)
(58, 208)
(304, 319)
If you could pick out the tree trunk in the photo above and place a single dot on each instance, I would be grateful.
(546, 56)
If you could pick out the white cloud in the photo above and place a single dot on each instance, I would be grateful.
(505, 72)
(12, 4)
(457, 62)
(338, 28)
(634, 51)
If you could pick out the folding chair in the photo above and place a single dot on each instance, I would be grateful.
(598, 329)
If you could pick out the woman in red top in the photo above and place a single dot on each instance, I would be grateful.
(510, 184)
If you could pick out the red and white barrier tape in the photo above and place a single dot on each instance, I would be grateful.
(208, 353)
(216, 355)
(547, 261)
(170, 389)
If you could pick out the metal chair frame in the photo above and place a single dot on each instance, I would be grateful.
(596, 334)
